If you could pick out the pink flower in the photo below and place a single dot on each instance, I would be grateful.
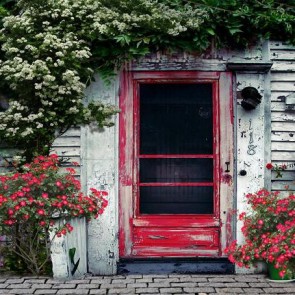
(40, 212)
(58, 184)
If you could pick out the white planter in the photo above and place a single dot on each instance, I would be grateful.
(61, 264)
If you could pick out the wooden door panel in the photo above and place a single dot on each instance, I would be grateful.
(170, 193)
(175, 242)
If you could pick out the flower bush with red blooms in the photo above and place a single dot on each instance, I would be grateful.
(277, 168)
(29, 202)
(269, 230)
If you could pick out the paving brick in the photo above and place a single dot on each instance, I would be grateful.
(199, 290)
(116, 277)
(170, 290)
(45, 291)
(170, 280)
(190, 279)
(184, 285)
(237, 285)
(98, 291)
(55, 281)
(35, 281)
(259, 285)
(41, 286)
(212, 284)
(111, 286)
(19, 286)
(146, 280)
(73, 291)
(282, 285)
(15, 281)
(274, 290)
(159, 285)
(253, 290)
(64, 286)
(222, 279)
(127, 281)
(155, 276)
(22, 291)
(134, 276)
(290, 289)
(229, 290)
(137, 285)
(147, 290)
(100, 281)
(86, 281)
(179, 276)
(3, 286)
(88, 286)
(247, 279)
(4, 292)
(122, 291)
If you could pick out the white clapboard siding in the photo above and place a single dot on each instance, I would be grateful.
(283, 122)
(69, 146)
(279, 96)
(281, 136)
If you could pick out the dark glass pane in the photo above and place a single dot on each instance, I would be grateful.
(176, 200)
(176, 119)
(176, 170)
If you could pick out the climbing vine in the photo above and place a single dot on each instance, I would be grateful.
(52, 48)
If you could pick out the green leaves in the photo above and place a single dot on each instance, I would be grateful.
(52, 48)
(72, 253)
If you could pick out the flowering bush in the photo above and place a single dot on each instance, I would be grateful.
(269, 231)
(52, 49)
(29, 202)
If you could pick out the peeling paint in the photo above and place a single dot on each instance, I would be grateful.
(227, 178)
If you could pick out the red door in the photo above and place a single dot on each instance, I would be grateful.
(170, 164)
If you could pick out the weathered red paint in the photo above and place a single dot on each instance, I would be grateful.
(163, 235)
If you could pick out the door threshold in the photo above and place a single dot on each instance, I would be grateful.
(176, 266)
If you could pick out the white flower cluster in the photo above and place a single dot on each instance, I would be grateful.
(16, 123)
(48, 49)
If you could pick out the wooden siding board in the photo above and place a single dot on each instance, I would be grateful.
(283, 85)
(283, 122)
(283, 146)
(283, 126)
(283, 116)
(284, 136)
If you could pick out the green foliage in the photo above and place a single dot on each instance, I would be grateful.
(52, 48)
(36, 207)
(72, 253)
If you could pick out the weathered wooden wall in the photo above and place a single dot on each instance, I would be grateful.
(68, 146)
(283, 121)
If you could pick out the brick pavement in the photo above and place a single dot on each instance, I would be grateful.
(147, 285)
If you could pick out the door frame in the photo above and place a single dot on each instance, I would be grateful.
(127, 171)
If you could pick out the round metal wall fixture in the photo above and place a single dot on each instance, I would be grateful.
(251, 98)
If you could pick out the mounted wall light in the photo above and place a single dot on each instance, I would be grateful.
(251, 98)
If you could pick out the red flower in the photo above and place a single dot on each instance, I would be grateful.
(269, 166)
(10, 212)
(41, 212)
(42, 223)
(58, 184)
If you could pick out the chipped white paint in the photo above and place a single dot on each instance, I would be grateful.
(252, 141)
(99, 161)
(61, 264)
(283, 114)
